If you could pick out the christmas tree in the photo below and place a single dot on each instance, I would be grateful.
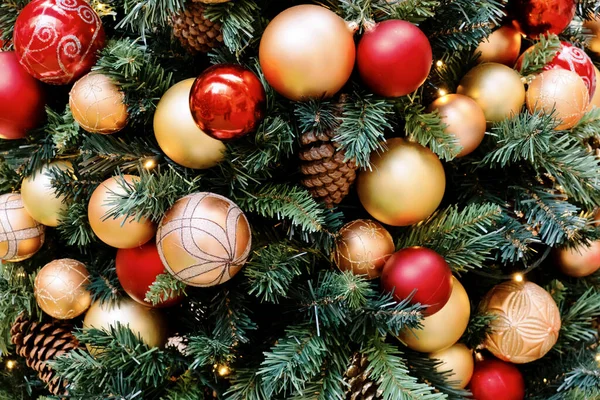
(342, 199)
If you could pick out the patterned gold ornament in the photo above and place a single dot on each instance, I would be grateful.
(527, 323)
(458, 359)
(20, 235)
(204, 239)
(60, 289)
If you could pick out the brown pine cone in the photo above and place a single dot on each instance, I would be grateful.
(360, 386)
(196, 33)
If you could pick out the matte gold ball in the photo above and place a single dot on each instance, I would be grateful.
(204, 239)
(363, 246)
(61, 289)
(405, 185)
(502, 46)
(459, 359)
(39, 196)
(527, 323)
(117, 232)
(178, 135)
(579, 261)
(21, 236)
(98, 105)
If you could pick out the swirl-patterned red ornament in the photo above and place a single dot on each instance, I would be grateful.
(57, 40)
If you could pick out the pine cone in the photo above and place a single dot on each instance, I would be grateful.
(360, 387)
(39, 342)
(196, 33)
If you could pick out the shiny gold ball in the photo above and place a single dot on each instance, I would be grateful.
(363, 246)
(442, 329)
(496, 88)
(98, 105)
(458, 359)
(61, 289)
(21, 236)
(594, 26)
(561, 91)
(464, 119)
(178, 135)
(405, 185)
(595, 101)
(579, 261)
(502, 46)
(527, 323)
(39, 197)
(204, 239)
(117, 232)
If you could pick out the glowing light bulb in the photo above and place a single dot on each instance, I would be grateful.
(10, 364)
(223, 370)
(439, 63)
(149, 163)
(442, 92)
(518, 277)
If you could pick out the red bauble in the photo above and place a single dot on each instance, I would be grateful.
(137, 269)
(421, 269)
(494, 379)
(536, 17)
(21, 98)
(57, 40)
(394, 58)
(227, 101)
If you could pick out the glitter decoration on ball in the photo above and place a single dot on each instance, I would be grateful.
(20, 235)
(579, 261)
(502, 46)
(494, 380)
(458, 359)
(539, 17)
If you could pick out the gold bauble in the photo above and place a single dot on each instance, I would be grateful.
(496, 88)
(178, 135)
(502, 46)
(561, 91)
(61, 289)
(97, 104)
(579, 261)
(363, 246)
(405, 185)
(527, 321)
(459, 359)
(595, 101)
(116, 232)
(464, 119)
(21, 236)
(39, 197)
(307, 51)
(204, 239)
(442, 329)
(594, 43)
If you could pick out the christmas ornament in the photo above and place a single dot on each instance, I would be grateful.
(442, 329)
(458, 359)
(594, 26)
(494, 379)
(204, 239)
(420, 269)
(227, 101)
(536, 17)
(496, 88)
(306, 52)
(464, 119)
(97, 104)
(20, 235)
(61, 289)
(595, 101)
(211, 1)
(177, 133)
(137, 270)
(394, 58)
(560, 92)
(57, 40)
(196, 32)
(527, 323)
(405, 185)
(39, 196)
(358, 383)
(502, 46)
(579, 261)
(363, 246)
(122, 232)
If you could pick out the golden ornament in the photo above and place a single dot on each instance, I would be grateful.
(595, 101)
(204, 239)
(496, 88)
(363, 246)
(464, 119)
(98, 105)
(178, 135)
(116, 232)
(459, 359)
(579, 261)
(594, 26)
(561, 91)
(39, 197)
(21, 236)
(60, 289)
(502, 46)
(442, 329)
(527, 323)
(405, 185)
(307, 51)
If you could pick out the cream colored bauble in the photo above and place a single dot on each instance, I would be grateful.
(459, 359)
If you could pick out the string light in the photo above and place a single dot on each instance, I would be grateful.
(545, 380)
(598, 357)
(10, 364)
(442, 92)
(518, 278)
(223, 370)
(149, 163)
(439, 63)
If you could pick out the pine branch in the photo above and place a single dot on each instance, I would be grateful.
(518, 240)
(541, 54)
(587, 9)
(165, 287)
(74, 226)
(477, 330)
(207, 351)
(577, 320)
(414, 11)
(10, 180)
(247, 385)
(232, 317)
(104, 282)
(142, 16)
(319, 116)
(63, 128)
(240, 21)
(187, 387)
(588, 126)
(9, 10)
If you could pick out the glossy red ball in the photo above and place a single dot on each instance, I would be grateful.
(494, 379)
(57, 40)
(394, 58)
(21, 98)
(227, 101)
(137, 269)
(422, 269)
(537, 17)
